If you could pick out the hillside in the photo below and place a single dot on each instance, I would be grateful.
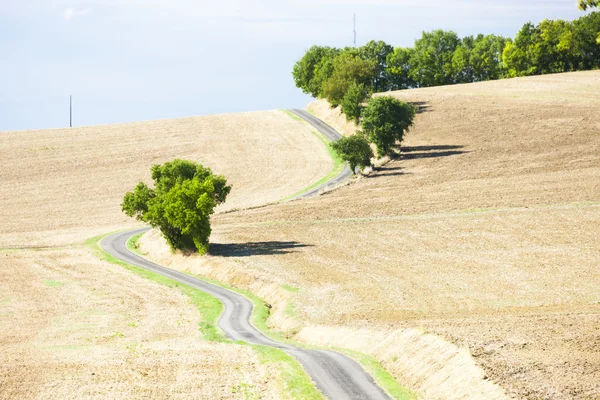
(74, 326)
(485, 233)
(72, 180)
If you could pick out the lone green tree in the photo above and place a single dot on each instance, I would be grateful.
(385, 121)
(184, 196)
(355, 150)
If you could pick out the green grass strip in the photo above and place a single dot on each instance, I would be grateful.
(382, 377)
(338, 163)
(260, 315)
(296, 382)
(209, 307)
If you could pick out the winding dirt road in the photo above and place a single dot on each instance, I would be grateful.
(336, 375)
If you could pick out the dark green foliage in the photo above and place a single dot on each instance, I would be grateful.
(398, 69)
(352, 101)
(486, 58)
(385, 121)
(585, 4)
(378, 52)
(431, 61)
(355, 150)
(522, 55)
(313, 69)
(348, 68)
(184, 196)
(441, 57)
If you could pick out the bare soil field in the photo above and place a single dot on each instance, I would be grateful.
(73, 326)
(485, 232)
(64, 185)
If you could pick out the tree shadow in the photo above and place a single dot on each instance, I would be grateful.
(254, 248)
(391, 171)
(421, 106)
(408, 149)
(435, 154)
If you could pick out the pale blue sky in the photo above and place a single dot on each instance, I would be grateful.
(131, 60)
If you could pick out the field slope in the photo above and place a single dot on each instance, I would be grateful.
(71, 181)
(485, 233)
(74, 326)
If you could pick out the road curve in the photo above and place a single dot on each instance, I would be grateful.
(336, 375)
(332, 135)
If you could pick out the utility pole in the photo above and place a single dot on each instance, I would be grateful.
(354, 30)
(70, 111)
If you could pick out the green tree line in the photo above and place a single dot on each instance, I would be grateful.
(346, 76)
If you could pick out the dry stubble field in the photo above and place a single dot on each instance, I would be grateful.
(73, 326)
(486, 232)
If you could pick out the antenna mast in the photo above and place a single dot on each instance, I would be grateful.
(354, 30)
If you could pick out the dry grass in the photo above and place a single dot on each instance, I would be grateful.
(60, 186)
(485, 232)
(73, 327)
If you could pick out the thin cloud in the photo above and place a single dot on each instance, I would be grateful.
(70, 13)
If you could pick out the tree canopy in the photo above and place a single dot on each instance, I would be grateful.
(352, 101)
(431, 61)
(348, 68)
(385, 121)
(585, 4)
(441, 57)
(355, 150)
(184, 196)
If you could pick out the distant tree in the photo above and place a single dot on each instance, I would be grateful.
(377, 52)
(352, 101)
(355, 150)
(556, 47)
(586, 41)
(462, 60)
(398, 69)
(181, 203)
(431, 61)
(385, 121)
(585, 4)
(348, 68)
(486, 58)
(313, 69)
(521, 56)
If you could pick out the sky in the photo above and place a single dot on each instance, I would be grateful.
(133, 60)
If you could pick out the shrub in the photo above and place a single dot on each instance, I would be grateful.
(385, 121)
(355, 150)
(181, 203)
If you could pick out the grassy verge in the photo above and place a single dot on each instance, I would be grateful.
(209, 307)
(338, 163)
(133, 245)
(294, 381)
(383, 378)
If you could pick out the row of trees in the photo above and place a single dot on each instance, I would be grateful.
(343, 76)
(384, 122)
